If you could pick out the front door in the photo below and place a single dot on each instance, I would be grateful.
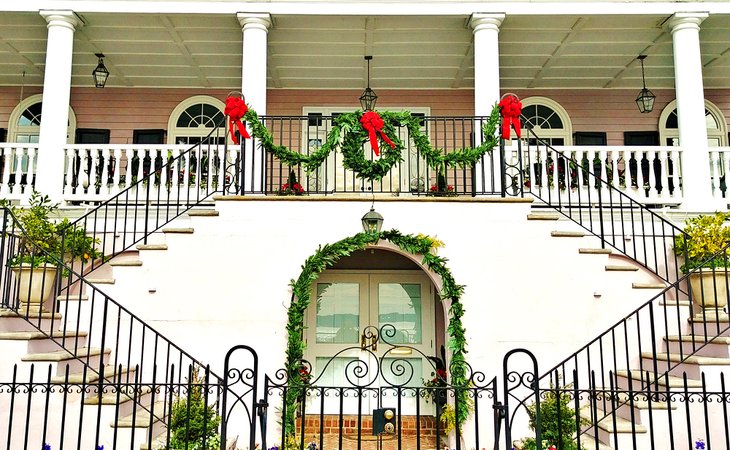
(348, 306)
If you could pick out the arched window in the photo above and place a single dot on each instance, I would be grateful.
(548, 120)
(716, 126)
(24, 125)
(193, 119)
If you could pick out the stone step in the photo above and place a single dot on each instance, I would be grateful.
(573, 234)
(31, 335)
(712, 346)
(23, 320)
(203, 213)
(140, 418)
(543, 216)
(675, 303)
(620, 268)
(614, 423)
(126, 263)
(638, 379)
(75, 297)
(65, 355)
(178, 230)
(694, 359)
(151, 246)
(91, 376)
(648, 285)
(101, 280)
(595, 251)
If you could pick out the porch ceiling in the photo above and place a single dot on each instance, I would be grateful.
(326, 52)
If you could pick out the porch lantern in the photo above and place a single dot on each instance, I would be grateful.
(368, 97)
(372, 222)
(101, 73)
(645, 100)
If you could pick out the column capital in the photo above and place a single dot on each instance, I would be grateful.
(254, 20)
(482, 21)
(62, 18)
(686, 20)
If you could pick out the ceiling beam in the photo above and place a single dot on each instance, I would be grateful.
(660, 39)
(467, 63)
(569, 37)
(194, 66)
(30, 66)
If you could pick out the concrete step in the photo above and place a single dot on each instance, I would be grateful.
(178, 230)
(675, 303)
(91, 376)
(142, 417)
(72, 297)
(614, 423)
(715, 327)
(126, 263)
(692, 365)
(151, 246)
(620, 268)
(712, 346)
(101, 280)
(595, 251)
(569, 234)
(648, 285)
(75, 362)
(39, 342)
(203, 213)
(638, 379)
(23, 320)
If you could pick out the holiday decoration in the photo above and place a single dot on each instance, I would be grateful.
(372, 123)
(235, 110)
(510, 108)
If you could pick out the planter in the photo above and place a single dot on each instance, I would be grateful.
(710, 291)
(34, 286)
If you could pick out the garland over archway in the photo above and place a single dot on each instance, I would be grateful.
(349, 135)
(326, 256)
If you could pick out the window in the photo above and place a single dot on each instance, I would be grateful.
(24, 125)
(193, 119)
(716, 126)
(92, 136)
(149, 137)
(548, 120)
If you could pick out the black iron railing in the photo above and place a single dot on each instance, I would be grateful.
(571, 187)
(578, 413)
(45, 411)
(412, 175)
(92, 337)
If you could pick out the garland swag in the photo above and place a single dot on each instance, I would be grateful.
(326, 256)
(348, 134)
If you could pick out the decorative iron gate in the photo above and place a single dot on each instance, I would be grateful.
(360, 398)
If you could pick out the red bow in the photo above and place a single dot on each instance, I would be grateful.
(372, 123)
(510, 108)
(235, 110)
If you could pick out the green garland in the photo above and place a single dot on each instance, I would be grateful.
(348, 135)
(326, 256)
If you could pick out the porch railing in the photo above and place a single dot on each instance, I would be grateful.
(590, 195)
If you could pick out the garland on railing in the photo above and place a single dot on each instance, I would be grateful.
(326, 256)
(348, 134)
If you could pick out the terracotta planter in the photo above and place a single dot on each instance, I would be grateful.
(710, 291)
(34, 285)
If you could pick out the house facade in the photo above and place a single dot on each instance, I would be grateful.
(622, 179)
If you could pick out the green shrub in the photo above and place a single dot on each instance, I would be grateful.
(192, 420)
(706, 235)
(557, 422)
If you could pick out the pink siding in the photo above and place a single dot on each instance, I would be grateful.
(123, 110)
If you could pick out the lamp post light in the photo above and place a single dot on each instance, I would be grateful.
(372, 222)
(645, 100)
(101, 73)
(368, 97)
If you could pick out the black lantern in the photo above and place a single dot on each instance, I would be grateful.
(372, 222)
(368, 97)
(645, 100)
(101, 73)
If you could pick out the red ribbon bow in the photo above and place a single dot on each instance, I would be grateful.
(235, 110)
(510, 108)
(372, 123)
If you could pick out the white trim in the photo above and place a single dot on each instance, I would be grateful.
(173, 131)
(567, 131)
(14, 129)
(720, 134)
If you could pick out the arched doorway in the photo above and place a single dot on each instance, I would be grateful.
(367, 290)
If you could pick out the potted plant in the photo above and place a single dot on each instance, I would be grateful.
(704, 248)
(292, 186)
(192, 420)
(557, 421)
(42, 243)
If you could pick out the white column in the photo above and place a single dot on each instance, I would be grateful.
(486, 81)
(255, 27)
(56, 98)
(696, 188)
